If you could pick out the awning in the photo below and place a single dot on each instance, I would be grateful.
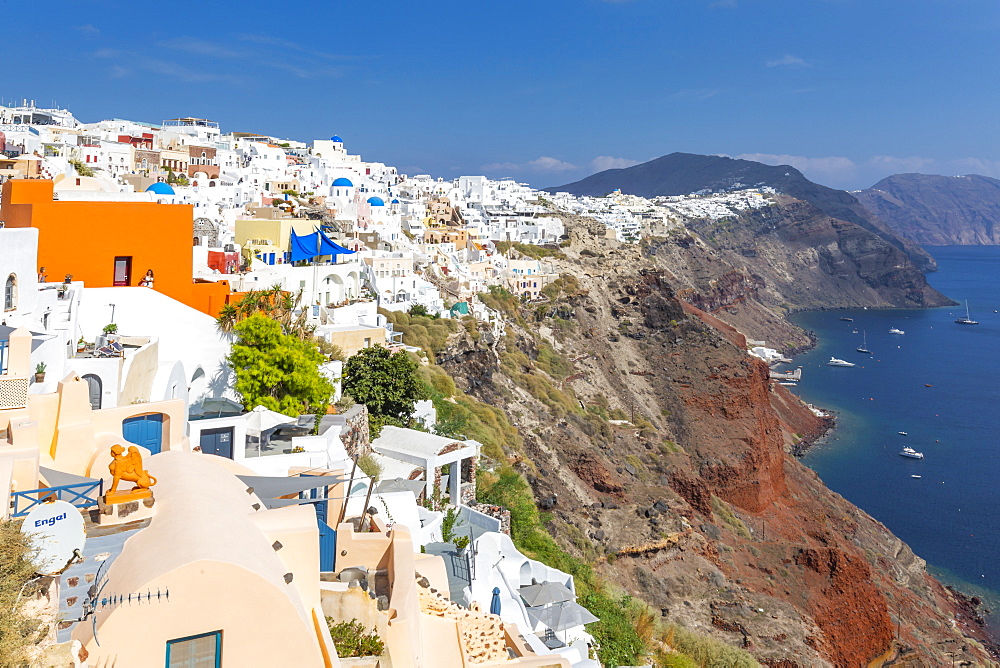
(59, 478)
(270, 487)
(317, 244)
(544, 593)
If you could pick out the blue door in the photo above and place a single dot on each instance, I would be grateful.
(145, 430)
(327, 546)
(217, 442)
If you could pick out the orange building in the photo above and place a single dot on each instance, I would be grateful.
(107, 244)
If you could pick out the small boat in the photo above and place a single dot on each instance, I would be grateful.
(846, 319)
(893, 330)
(902, 433)
(928, 385)
(838, 362)
(967, 320)
(863, 348)
(854, 331)
(911, 453)
(914, 475)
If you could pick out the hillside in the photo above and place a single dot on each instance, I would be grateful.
(938, 210)
(683, 173)
(691, 501)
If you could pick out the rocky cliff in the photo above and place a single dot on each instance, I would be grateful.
(683, 173)
(692, 501)
(940, 210)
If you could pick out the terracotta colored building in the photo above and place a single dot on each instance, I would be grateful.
(107, 244)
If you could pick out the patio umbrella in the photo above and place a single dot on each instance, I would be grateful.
(562, 616)
(400, 485)
(495, 603)
(545, 593)
(261, 419)
(220, 405)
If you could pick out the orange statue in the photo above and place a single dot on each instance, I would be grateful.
(128, 467)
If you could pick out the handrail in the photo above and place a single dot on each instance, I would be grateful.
(76, 498)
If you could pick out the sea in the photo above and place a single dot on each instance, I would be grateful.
(940, 383)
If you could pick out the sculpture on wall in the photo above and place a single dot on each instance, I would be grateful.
(128, 467)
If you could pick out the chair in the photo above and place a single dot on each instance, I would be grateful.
(105, 351)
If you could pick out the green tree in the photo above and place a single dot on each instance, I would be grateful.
(385, 382)
(276, 370)
(17, 631)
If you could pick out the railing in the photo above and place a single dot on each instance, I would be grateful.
(76, 494)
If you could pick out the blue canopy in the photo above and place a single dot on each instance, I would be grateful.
(308, 246)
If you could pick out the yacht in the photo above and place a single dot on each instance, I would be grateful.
(893, 330)
(901, 433)
(846, 319)
(967, 320)
(863, 348)
(838, 362)
(911, 453)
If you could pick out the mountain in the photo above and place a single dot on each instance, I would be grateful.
(684, 173)
(938, 209)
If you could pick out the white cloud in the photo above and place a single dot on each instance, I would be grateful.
(697, 93)
(787, 60)
(541, 164)
(834, 171)
(977, 166)
(200, 47)
(603, 162)
(88, 29)
(899, 165)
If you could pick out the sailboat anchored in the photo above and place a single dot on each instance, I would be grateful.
(967, 320)
(863, 348)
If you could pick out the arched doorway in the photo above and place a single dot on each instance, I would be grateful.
(96, 388)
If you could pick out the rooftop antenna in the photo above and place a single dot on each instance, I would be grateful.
(97, 601)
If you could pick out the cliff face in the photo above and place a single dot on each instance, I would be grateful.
(709, 518)
(791, 255)
(683, 173)
(960, 210)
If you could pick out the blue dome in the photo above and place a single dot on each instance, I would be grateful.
(160, 188)
(336, 139)
(395, 201)
(344, 183)
(376, 201)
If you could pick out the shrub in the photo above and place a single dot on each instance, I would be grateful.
(351, 640)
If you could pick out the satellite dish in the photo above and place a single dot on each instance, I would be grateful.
(57, 530)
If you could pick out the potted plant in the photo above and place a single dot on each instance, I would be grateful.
(81, 345)
(40, 372)
(111, 328)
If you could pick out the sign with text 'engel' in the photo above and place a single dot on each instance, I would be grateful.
(57, 530)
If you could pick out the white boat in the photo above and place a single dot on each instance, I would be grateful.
(839, 362)
(914, 475)
(901, 433)
(893, 330)
(967, 320)
(863, 348)
(911, 453)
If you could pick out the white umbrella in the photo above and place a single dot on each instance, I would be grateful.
(262, 419)
(562, 616)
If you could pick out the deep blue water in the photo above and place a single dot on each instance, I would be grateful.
(950, 516)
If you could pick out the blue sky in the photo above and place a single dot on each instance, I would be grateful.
(546, 91)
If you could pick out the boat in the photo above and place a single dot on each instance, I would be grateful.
(839, 362)
(901, 433)
(893, 330)
(928, 385)
(854, 331)
(967, 320)
(911, 453)
(846, 319)
(914, 475)
(863, 348)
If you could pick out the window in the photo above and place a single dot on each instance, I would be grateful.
(10, 293)
(201, 651)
